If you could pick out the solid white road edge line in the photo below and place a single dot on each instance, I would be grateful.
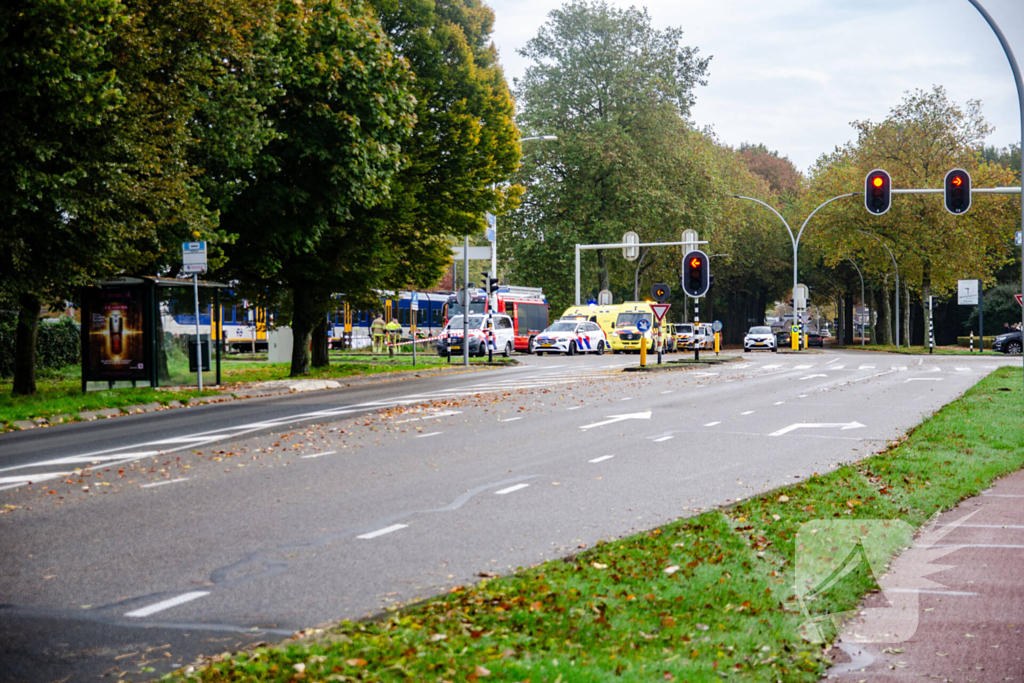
(381, 532)
(510, 489)
(166, 604)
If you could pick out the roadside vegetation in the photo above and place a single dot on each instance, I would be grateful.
(699, 599)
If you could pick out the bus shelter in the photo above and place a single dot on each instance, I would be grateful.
(142, 329)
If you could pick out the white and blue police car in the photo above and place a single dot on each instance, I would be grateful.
(571, 337)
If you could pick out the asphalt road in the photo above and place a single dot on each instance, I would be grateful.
(145, 541)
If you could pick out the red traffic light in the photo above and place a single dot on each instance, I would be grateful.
(957, 180)
(877, 192)
(695, 262)
(957, 191)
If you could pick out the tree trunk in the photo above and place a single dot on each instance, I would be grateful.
(304, 319)
(886, 313)
(905, 310)
(320, 357)
(25, 344)
(848, 319)
(602, 272)
(840, 323)
(163, 372)
(872, 313)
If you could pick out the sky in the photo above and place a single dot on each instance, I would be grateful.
(793, 74)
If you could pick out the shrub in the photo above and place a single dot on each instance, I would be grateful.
(58, 344)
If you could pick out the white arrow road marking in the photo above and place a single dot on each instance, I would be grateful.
(166, 604)
(817, 425)
(381, 532)
(602, 458)
(619, 418)
(923, 379)
(813, 376)
(510, 489)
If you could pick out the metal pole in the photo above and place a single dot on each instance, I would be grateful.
(696, 327)
(1020, 104)
(577, 275)
(862, 304)
(465, 307)
(199, 345)
(492, 299)
(412, 328)
(931, 324)
(981, 316)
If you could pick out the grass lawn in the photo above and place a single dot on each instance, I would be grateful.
(706, 598)
(60, 392)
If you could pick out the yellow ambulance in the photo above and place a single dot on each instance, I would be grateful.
(621, 329)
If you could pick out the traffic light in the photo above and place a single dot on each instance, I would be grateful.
(490, 283)
(957, 191)
(696, 273)
(877, 192)
(660, 292)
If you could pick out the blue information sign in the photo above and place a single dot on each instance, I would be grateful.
(643, 324)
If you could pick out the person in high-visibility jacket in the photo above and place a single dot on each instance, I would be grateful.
(394, 332)
(377, 329)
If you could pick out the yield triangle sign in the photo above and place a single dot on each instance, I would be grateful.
(659, 311)
(1018, 297)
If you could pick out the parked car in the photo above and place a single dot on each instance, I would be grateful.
(571, 337)
(450, 340)
(815, 338)
(1008, 343)
(760, 337)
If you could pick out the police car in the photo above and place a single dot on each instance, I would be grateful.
(481, 328)
(571, 337)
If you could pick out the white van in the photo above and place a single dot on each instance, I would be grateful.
(450, 340)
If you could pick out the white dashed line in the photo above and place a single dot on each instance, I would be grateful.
(602, 458)
(834, 360)
(923, 379)
(749, 412)
(510, 489)
(712, 424)
(670, 391)
(574, 408)
(164, 483)
(166, 604)
(628, 398)
(779, 403)
(317, 455)
(802, 367)
(663, 438)
(866, 367)
(420, 436)
(510, 419)
(381, 532)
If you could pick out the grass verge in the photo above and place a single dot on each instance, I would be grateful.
(60, 392)
(701, 599)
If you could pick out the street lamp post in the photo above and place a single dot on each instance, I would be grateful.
(1020, 104)
(795, 240)
(896, 268)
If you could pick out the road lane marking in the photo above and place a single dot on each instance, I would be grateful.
(381, 532)
(164, 483)
(166, 604)
(963, 369)
(749, 412)
(837, 367)
(1003, 495)
(742, 365)
(1002, 546)
(510, 489)
(818, 425)
(628, 398)
(712, 424)
(923, 379)
(834, 360)
(813, 376)
(992, 526)
(619, 418)
(670, 391)
(772, 366)
(779, 403)
(930, 592)
(421, 436)
(802, 367)
(510, 419)
(317, 455)
(663, 438)
(866, 367)
(574, 408)
(602, 458)
(33, 478)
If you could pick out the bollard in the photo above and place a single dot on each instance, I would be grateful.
(643, 351)
(718, 342)
(972, 341)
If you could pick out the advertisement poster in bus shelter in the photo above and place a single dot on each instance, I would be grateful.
(114, 334)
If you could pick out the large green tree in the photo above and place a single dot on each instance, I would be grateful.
(617, 92)
(110, 109)
(342, 115)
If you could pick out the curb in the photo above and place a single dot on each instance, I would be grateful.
(683, 364)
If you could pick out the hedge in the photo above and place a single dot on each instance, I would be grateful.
(966, 341)
(58, 344)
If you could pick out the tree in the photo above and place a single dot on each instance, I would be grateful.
(343, 114)
(617, 92)
(106, 104)
(782, 176)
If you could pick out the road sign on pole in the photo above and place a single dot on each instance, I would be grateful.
(631, 253)
(193, 257)
(643, 325)
(967, 292)
(1019, 298)
(604, 298)
(689, 241)
(659, 311)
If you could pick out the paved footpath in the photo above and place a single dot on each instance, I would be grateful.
(972, 628)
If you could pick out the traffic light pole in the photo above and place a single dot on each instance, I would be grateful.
(619, 245)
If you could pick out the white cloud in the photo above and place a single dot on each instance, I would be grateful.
(793, 74)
